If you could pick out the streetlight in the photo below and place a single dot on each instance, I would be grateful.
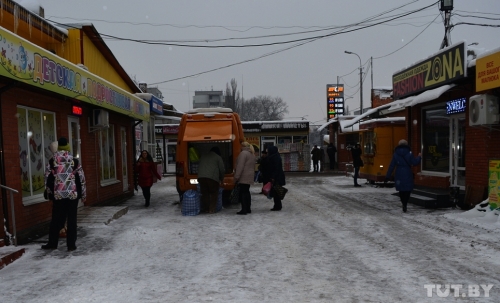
(360, 82)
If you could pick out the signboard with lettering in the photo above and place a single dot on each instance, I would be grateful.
(445, 67)
(26, 62)
(488, 72)
(156, 105)
(167, 129)
(278, 126)
(456, 106)
(334, 100)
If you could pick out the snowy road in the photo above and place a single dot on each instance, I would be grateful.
(330, 243)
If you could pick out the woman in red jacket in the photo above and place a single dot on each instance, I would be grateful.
(146, 170)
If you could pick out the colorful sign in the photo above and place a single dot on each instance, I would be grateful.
(488, 72)
(26, 62)
(494, 184)
(156, 105)
(456, 106)
(442, 68)
(334, 100)
(167, 129)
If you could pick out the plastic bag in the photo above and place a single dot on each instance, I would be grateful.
(266, 189)
(235, 195)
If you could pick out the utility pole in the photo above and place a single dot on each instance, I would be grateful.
(446, 6)
(360, 82)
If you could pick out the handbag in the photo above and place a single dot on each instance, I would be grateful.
(280, 190)
(267, 188)
(235, 195)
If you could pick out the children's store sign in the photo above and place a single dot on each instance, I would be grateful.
(23, 61)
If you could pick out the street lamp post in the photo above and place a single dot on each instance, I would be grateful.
(360, 82)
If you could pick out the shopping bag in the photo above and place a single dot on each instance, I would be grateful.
(280, 191)
(218, 206)
(267, 188)
(190, 203)
(235, 195)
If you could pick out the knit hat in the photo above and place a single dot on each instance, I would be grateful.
(63, 144)
(403, 142)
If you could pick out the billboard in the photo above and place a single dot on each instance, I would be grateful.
(445, 67)
(334, 100)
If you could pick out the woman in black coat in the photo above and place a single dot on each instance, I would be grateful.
(274, 168)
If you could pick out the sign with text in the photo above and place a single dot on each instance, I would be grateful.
(494, 184)
(440, 69)
(26, 62)
(456, 106)
(488, 72)
(334, 100)
(278, 126)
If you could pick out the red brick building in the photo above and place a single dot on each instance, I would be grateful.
(60, 83)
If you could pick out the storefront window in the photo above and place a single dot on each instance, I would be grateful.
(36, 131)
(107, 154)
(300, 139)
(369, 144)
(284, 139)
(436, 140)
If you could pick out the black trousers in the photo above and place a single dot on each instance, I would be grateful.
(146, 192)
(315, 165)
(404, 196)
(332, 162)
(209, 190)
(62, 210)
(277, 200)
(245, 197)
(356, 175)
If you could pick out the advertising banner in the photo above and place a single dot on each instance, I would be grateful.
(26, 62)
(494, 183)
(445, 67)
(488, 72)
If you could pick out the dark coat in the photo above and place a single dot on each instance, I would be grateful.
(356, 157)
(331, 150)
(145, 171)
(402, 160)
(316, 154)
(275, 166)
(265, 174)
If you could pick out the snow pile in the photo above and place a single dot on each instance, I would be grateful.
(483, 215)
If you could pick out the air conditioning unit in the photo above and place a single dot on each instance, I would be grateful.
(483, 109)
(100, 118)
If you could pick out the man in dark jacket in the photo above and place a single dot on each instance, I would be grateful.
(275, 172)
(210, 175)
(331, 150)
(356, 162)
(316, 156)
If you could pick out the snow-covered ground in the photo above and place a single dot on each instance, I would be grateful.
(330, 243)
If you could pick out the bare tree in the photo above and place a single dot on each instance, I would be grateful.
(263, 108)
(232, 95)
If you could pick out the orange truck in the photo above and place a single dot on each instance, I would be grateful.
(199, 130)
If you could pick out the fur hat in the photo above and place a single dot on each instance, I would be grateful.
(63, 144)
(403, 142)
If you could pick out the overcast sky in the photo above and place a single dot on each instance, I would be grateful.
(298, 75)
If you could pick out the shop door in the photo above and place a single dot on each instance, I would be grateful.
(75, 142)
(457, 165)
(267, 141)
(123, 140)
(171, 154)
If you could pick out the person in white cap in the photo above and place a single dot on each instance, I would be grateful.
(65, 185)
